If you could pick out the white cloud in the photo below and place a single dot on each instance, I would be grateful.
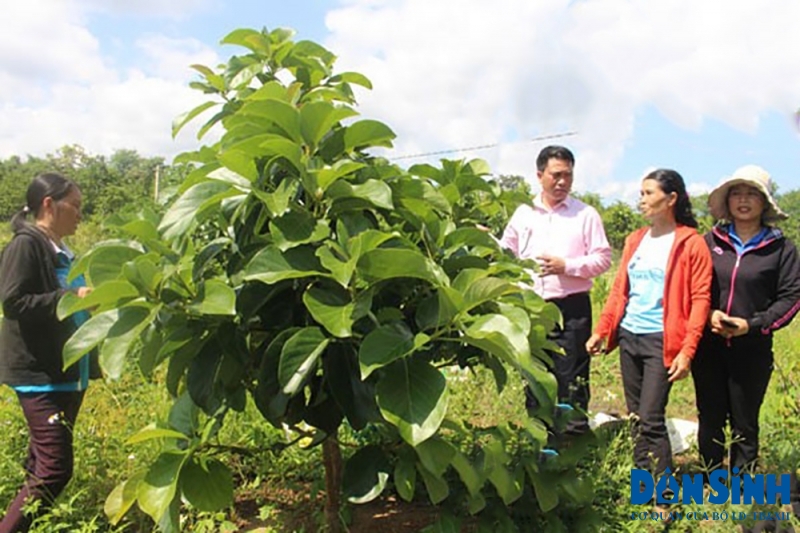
(58, 88)
(41, 42)
(158, 8)
(170, 58)
(455, 73)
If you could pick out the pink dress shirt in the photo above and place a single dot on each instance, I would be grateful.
(572, 231)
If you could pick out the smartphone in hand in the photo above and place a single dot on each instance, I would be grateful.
(728, 323)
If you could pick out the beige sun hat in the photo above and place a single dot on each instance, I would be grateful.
(754, 176)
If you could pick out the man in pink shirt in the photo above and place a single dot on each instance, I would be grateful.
(566, 238)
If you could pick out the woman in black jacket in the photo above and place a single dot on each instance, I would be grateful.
(33, 277)
(755, 291)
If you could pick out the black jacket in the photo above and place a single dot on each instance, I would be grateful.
(762, 285)
(31, 337)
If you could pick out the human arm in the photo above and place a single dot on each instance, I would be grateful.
(700, 275)
(787, 298)
(679, 368)
(598, 252)
(511, 234)
(21, 288)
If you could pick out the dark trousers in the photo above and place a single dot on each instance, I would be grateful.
(51, 417)
(572, 368)
(646, 385)
(730, 382)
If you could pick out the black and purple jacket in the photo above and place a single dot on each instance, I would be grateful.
(761, 285)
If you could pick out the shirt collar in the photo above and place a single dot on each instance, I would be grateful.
(755, 240)
(539, 203)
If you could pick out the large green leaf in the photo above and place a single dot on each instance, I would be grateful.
(277, 146)
(270, 265)
(104, 263)
(151, 432)
(365, 133)
(157, 489)
(376, 192)
(365, 475)
(280, 113)
(439, 309)
(270, 400)
(405, 477)
(207, 484)
(407, 190)
(329, 174)
(296, 228)
(122, 498)
(144, 274)
(467, 472)
(412, 395)
(486, 290)
(356, 398)
(499, 336)
(214, 297)
(386, 263)
(240, 169)
(436, 454)
(270, 91)
(509, 486)
(299, 358)
(384, 345)
(246, 37)
(89, 335)
(334, 309)
(437, 487)
(352, 77)
(317, 118)
(277, 202)
(184, 415)
(203, 377)
(181, 214)
(107, 294)
(341, 269)
(543, 483)
(469, 237)
(181, 120)
(130, 324)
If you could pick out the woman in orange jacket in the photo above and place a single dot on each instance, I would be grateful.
(657, 310)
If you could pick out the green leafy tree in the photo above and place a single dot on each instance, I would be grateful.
(619, 220)
(329, 286)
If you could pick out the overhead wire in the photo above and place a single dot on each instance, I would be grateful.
(485, 146)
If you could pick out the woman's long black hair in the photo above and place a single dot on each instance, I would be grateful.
(670, 181)
(50, 184)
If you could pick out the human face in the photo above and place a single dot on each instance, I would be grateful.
(654, 203)
(66, 213)
(555, 180)
(745, 203)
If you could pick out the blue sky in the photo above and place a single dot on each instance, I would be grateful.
(701, 88)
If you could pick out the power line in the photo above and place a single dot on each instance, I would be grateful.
(485, 146)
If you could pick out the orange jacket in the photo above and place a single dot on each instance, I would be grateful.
(687, 293)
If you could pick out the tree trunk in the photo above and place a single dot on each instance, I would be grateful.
(332, 460)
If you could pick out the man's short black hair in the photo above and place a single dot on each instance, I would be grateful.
(554, 152)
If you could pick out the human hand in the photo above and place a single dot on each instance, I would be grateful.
(733, 326)
(596, 345)
(550, 264)
(679, 368)
(714, 319)
(83, 292)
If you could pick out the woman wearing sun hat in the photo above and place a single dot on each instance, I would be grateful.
(755, 291)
